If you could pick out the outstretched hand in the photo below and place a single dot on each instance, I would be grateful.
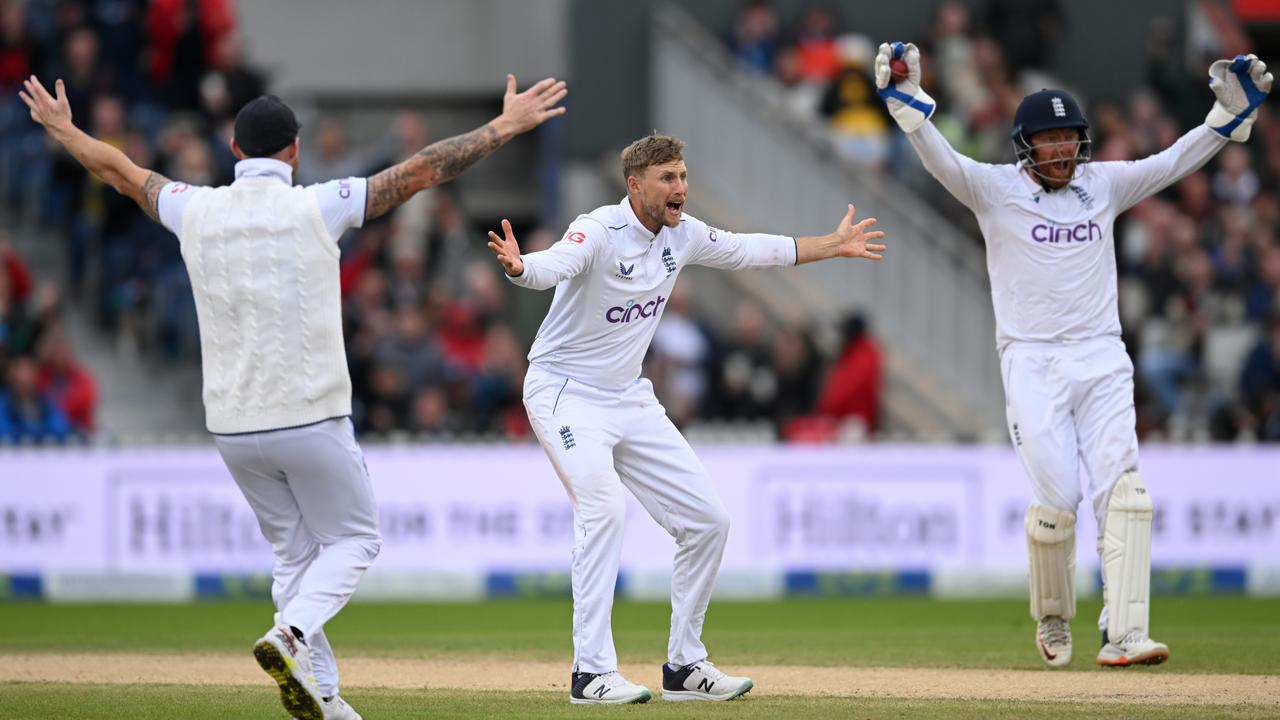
(1240, 86)
(854, 240)
(529, 109)
(506, 249)
(53, 113)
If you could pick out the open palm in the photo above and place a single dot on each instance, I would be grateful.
(855, 239)
(506, 249)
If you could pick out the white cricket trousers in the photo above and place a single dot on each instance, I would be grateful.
(1070, 406)
(311, 493)
(601, 443)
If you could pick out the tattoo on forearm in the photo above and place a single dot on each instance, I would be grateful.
(151, 194)
(432, 165)
(452, 156)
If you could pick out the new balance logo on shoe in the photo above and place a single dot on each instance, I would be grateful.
(566, 437)
(605, 689)
(701, 681)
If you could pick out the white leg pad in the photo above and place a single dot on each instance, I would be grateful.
(1126, 557)
(1051, 548)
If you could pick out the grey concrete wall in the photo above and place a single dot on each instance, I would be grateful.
(404, 47)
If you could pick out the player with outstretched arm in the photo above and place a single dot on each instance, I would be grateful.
(262, 254)
(1048, 223)
(599, 421)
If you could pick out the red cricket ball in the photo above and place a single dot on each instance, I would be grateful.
(898, 69)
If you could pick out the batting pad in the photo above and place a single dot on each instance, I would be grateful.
(1051, 547)
(1126, 557)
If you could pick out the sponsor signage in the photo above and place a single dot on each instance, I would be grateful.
(485, 509)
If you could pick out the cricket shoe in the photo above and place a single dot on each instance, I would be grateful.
(606, 689)
(287, 659)
(1134, 649)
(335, 708)
(702, 681)
(1053, 639)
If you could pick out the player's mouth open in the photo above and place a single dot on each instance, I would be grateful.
(675, 207)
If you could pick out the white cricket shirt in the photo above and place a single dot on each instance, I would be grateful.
(1051, 255)
(612, 279)
(263, 260)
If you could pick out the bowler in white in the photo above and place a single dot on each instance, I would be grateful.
(262, 255)
(1048, 221)
(599, 422)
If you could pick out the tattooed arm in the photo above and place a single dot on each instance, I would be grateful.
(106, 162)
(445, 160)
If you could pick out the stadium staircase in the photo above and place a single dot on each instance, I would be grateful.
(756, 166)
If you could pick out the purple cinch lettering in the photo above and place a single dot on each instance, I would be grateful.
(627, 314)
(1037, 233)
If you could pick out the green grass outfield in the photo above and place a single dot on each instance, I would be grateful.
(1205, 634)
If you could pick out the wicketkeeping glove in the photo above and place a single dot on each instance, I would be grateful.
(1241, 85)
(908, 104)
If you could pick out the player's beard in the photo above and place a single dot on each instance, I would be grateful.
(657, 212)
(1059, 171)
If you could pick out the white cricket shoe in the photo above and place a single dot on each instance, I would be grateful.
(606, 689)
(1053, 639)
(335, 708)
(1134, 649)
(287, 659)
(702, 681)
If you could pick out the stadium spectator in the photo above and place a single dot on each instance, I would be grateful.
(795, 360)
(755, 36)
(746, 384)
(852, 389)
(26, 413)
(71, 387)
(1028, 30)
(1260, 383)
(679, 359)
(15, 271)
(859, 122)
(817, 54)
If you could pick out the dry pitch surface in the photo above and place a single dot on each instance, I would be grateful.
(1158, 687)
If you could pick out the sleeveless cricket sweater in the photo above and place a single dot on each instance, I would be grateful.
(264, 273)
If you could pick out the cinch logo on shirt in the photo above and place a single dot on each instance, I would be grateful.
(1084, 232)
(634, 310)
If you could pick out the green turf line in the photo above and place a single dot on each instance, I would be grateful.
(1205, 634)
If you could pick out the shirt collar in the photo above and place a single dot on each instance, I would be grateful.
(265, 167)
(630, 216)
(1028, 182)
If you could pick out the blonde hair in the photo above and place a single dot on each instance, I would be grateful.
(648, 151)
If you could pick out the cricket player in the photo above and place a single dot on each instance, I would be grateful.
(599, 421)
(1048, 221)
(262, 255)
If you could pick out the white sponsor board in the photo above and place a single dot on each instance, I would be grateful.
(501, 509)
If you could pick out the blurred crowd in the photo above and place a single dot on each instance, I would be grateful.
(436, 338)
(45, 393)
(1199, 263)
